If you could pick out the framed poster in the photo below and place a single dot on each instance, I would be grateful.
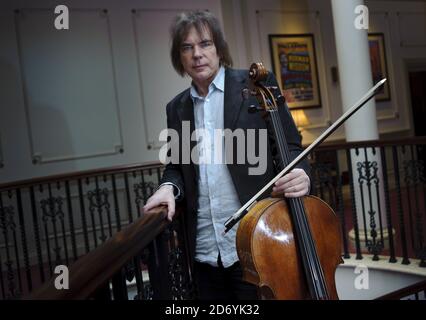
(294, 64)
(376, 45)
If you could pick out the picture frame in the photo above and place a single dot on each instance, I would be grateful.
(376, 45)
(294, 64)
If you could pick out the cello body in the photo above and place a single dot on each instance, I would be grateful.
(288, 247)
(269, 253)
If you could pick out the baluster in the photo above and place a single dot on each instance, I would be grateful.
(119, 288)
(136, 188)
(354, 213)
(53, 215)
(377, 245)
(139, 278)
(24, 244)
(144, 194)
(408, 167)
(43, 205)
(6, 221)
(92, 205)
(392, 258)
(116, 205)
(361, 179)
(83, 215)
(61, 216)
(416, 177)
(341, 208)
(129, 203)
(405, 259)
(37, 234)
(107, 205)
(99, 204)
(71, 220)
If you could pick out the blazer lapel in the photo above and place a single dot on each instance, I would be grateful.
(233, 101)
(185, 112)
(185, 109)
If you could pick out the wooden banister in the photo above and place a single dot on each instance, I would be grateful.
(81, 175)
(404, 292)
(372, 143)
(92, 270)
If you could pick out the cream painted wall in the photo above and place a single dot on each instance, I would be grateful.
(133, 46)
(111, 70)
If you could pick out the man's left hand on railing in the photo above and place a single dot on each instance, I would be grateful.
(163, 196)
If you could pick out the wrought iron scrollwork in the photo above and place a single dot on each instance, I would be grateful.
(143, 191)
(413, 172)
(180, 286)
(7, 222)
(367, 172)
(99, 201)
(52, 210)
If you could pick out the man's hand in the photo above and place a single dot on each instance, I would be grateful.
(163, 196)
(294, 184)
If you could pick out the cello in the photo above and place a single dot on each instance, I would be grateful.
(288, 247)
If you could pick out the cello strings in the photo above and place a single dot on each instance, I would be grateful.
(310, 254)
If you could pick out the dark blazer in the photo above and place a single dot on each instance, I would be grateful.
(185, 176)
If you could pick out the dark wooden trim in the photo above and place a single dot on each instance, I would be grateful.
(404, 292)
(372, 143)
(80, 175)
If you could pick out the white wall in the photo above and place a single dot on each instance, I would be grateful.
(88, 97)
(70, 100)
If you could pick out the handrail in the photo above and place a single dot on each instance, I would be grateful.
(372, 143)
(80, 174)
(404, 292)
(92, 270)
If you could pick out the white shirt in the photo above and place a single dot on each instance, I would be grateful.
(217, 199)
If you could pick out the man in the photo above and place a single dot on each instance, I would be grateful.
(213, 192)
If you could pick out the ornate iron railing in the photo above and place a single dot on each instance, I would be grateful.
(377, 188)
(55, 220)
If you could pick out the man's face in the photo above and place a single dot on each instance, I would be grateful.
(199, 57)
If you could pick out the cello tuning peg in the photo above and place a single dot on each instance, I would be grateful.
(281, 99)
(252, 108)
(245, 93)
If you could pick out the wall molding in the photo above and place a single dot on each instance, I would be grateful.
(394, 112)
(150, 143)
(405, 44)
(37, 156)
